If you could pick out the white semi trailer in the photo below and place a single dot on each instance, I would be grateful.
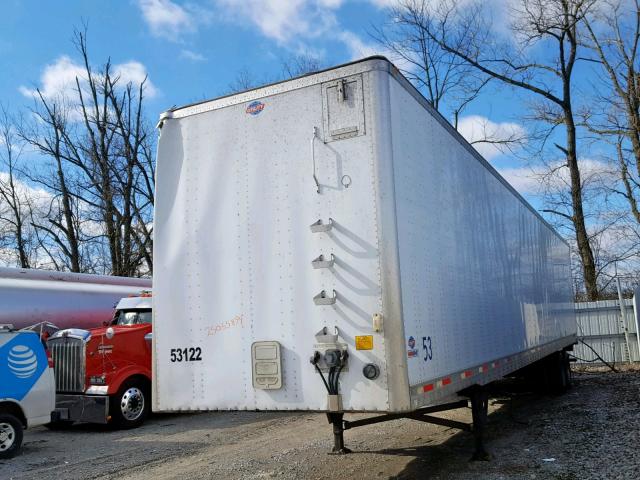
(331, 243)
(65, 299)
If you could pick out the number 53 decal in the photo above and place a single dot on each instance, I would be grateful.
(426, 346)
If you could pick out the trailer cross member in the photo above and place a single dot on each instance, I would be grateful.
(340, 425)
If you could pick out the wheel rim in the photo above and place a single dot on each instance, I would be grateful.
(132, 404)
(7, 436)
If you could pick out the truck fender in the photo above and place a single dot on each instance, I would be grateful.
(14, 408)
(124, 374)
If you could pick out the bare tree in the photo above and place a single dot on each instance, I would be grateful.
(18, 205)
(542, 65)
(293, 66)
(298, 65)
(614, 36)
(449, 83)
(244, 80)
(613, 238)
(107, 148)
(93, 151)
(96, 163)
(134, 172)
(61, 223)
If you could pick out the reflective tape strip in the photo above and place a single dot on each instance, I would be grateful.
(428, 387)
(483, 369)
(495, 364)
(466, 374)
(444, 382)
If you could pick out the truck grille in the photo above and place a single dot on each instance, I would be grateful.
(69, 363)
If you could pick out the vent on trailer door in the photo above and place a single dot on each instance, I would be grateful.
(343, 108)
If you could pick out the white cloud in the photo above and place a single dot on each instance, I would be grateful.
(357, 47)
(192, 56)
(434, 4)
(36, 196)
(59, 78)
(166, 18)
(555, 177)
(135, 72)
(476, 127)
(524, 179)
(384, 3)
(283, 20)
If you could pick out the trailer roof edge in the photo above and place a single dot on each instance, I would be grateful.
(167, 113)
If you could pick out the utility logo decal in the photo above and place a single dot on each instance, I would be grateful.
(254, 108)
(412, 351)
(22, 361)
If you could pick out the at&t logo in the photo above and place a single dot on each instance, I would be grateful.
(22, 361)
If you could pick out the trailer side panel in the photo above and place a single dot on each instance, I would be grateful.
(483, 277)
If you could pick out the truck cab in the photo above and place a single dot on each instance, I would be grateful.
(103, 375)
(27, 394)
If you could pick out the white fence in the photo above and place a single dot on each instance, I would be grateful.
(601, 325)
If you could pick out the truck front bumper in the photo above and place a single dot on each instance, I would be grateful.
(81, 408)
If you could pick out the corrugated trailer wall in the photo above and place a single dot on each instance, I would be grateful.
(600, 326)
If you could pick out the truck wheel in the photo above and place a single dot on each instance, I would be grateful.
(131, 405)
(10, 435)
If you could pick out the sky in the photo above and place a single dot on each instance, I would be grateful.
(192, 51)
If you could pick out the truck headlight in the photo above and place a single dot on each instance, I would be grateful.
(97, 390)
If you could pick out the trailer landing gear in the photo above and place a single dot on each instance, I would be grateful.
(479, 409)
(338, 433)
(422, 415)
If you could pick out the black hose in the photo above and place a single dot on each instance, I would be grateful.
(337, 377)
(332, 380)
(584, 359)
(612, 367)
(322, 377)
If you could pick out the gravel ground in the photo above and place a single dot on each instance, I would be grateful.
(589, 433)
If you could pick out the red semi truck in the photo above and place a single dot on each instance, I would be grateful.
(103, 375)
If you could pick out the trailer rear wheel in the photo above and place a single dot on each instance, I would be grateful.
(131, 405)
(558, 373)
(10, 435)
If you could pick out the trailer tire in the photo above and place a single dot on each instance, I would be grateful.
(130, 407)
(10, 435)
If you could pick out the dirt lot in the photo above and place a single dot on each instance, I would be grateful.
(591, 432)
